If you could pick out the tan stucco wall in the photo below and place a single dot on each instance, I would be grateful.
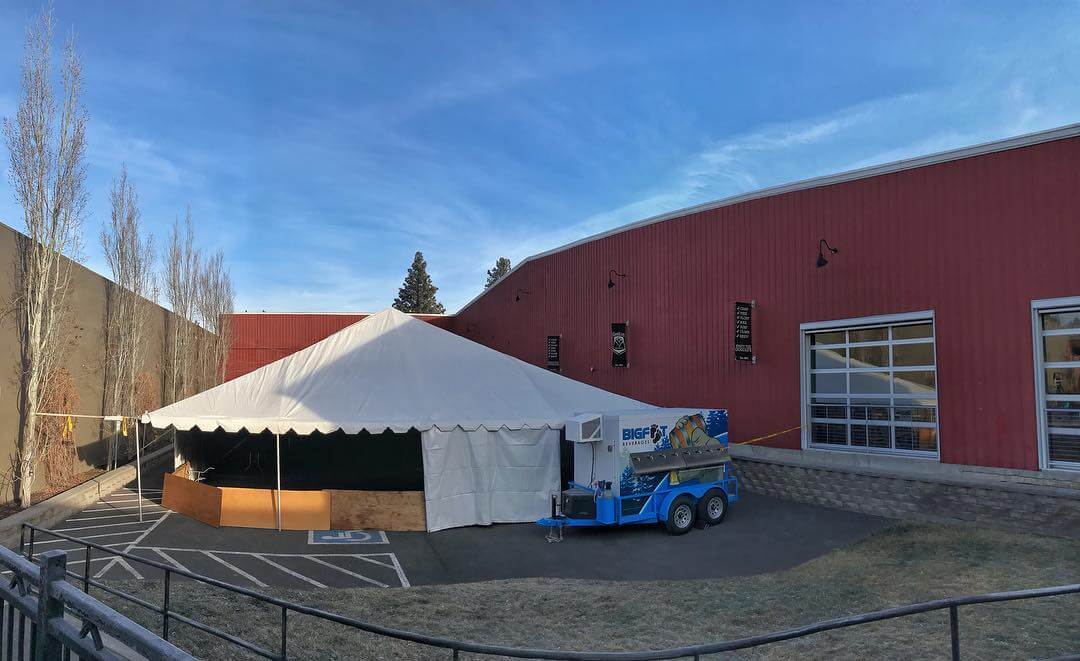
(86, 358)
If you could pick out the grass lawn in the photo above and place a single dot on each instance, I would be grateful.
(903, 564)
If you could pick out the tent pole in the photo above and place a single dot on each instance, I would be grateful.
(138, 468)
(277, 464)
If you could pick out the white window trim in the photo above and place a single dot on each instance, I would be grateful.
(875, 320)
(1039, 307)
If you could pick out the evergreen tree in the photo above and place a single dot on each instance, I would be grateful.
(417, 294)
(502, 267)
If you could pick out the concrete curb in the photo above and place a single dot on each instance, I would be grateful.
(49, 512)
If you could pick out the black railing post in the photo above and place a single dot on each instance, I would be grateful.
(86, 571)
(954, 632)
(165, 608)
(49, 607)
(30, 554)
(284, 633)
(22, 539)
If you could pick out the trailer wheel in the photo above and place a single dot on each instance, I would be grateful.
(712, 507)
(680, 516)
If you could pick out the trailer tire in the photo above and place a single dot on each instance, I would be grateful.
(680, 516)
(712, 507)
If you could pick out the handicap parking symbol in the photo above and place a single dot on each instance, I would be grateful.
(347, 537)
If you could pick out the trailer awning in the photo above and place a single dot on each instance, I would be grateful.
(390, 371)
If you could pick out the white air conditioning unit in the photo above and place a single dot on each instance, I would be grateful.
(585, 428)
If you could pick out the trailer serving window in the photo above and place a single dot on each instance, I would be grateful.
(1056, 330)
(870, 385)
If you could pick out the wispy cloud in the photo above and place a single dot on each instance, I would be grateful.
(109, 147)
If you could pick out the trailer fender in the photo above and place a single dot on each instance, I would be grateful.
(665, 504)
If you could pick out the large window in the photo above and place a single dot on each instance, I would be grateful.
(871, 386)
(1057, 379)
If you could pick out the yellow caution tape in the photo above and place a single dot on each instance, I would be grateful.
(762, 438)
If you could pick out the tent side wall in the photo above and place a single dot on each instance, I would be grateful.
(482, 477)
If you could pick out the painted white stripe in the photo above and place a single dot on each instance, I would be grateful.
(119, 509)
(133, 499)
(236, 569)
(108, 534)
(368, 558)
(124, 563)
(168, 558)
(400, 571)
(109, 525)
(290, 572)
(346, 571)
(134, 543)
(98, 518)
(269, 555)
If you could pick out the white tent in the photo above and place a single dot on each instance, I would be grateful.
(489, 422)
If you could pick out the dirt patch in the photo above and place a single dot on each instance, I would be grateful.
(904, 564)
(9, 508)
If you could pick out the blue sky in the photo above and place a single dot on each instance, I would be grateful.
(321, 144)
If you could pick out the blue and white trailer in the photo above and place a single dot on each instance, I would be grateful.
(670, 466)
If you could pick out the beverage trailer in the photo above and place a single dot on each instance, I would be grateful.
(669, 466)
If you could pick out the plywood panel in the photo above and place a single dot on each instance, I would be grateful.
(377, 510)
(257, 508)
(201, 502)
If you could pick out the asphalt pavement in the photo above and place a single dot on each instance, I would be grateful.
(760, 534)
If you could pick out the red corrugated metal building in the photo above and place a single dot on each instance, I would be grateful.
(260, 338)
(944, 329)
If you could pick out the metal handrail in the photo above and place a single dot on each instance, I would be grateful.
(41, 594)
(456, 646)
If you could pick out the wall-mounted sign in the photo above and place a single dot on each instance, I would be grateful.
(619, 357)
(744, 332)
(553, 351)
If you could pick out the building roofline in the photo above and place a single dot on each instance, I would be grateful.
(1026, 140)
(366, 314)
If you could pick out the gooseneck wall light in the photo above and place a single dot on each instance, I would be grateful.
(517, 295)
(611, 277)
(823, 244)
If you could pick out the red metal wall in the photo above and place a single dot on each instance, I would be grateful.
(261, 338)
(975, 240)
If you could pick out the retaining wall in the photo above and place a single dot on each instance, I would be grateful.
(1046, 502)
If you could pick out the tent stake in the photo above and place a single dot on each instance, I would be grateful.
(277, 464)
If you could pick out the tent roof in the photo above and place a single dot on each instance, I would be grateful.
(391, 371)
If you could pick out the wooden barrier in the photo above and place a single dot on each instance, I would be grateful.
(201, 502)
(377, 510)
(327, 509)
(257, 508)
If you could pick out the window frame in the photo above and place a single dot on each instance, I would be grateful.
(901, 319)
(1039, 308)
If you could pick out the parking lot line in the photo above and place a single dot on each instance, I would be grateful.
(109, 525)
(58, 540)
(366, 558)
(168, 558)
(346, 571)
(236, 569)
(126, 565)
(132, 545)
(289, 571)
(98, 518)
(119, 509)
(400, 571)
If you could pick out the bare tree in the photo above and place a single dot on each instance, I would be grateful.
(214, 306)
(129, 252)
(182, 261)
(46, 141)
